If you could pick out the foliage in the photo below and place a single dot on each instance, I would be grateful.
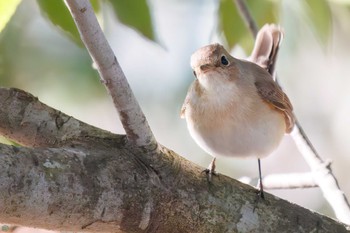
(233, 27)
(137, 15)
(7, 9)
(59, 15)
(320, 15)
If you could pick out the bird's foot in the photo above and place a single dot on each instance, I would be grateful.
(260, 183)
(210, 171)
(260, 192)
(260, 198)
(210, 174)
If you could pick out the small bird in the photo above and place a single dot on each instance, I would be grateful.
(234, 107)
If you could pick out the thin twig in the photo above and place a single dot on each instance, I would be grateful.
(322, 172)
(112, 76)
(247, 17)
(323, 175)
(284, 181)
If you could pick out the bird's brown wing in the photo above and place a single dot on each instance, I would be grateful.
(270, 92)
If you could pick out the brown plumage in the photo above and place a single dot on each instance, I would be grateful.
(234, 107)
(268, 90)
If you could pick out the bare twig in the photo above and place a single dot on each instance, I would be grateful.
(112, 76)
(247, 17)
(285, 181)
(323, 175)
(322, 172)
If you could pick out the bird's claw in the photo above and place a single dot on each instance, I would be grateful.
(260, 194)
(209, 173)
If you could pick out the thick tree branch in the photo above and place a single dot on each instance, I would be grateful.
(132, 118)
(99, 183)
(27, 121)
(323, 174)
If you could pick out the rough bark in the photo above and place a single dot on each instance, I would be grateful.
(97, 182)
(29, 122)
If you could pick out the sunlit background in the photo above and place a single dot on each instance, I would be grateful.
(314, 72)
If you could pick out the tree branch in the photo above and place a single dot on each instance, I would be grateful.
(323, 175)
(95, 181)
(105, 185)
(100, 183)
(132, 118)
(322, 172)
(284, 181)
(27, 121)
(247, 17)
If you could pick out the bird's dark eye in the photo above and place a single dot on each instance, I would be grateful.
(194, 73)
(224, 60)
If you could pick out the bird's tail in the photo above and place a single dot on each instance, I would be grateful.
(266, 47)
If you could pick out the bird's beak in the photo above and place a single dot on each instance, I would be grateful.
(206, 67)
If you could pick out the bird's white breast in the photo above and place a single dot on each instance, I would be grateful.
(225, 121)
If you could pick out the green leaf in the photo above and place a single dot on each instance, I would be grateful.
(320, 15)
(235, 29)
(95, 5)
(57, 12)
(231, 24)
(135, 14)
(264, 11)
(7, 9)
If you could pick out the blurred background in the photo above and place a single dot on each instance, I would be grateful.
(313, 68)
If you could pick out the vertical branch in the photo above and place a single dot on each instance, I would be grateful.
(112, 76)
(321, 170)
(247, 17)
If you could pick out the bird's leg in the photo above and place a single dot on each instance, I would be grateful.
(211, 169)
(261, 191)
